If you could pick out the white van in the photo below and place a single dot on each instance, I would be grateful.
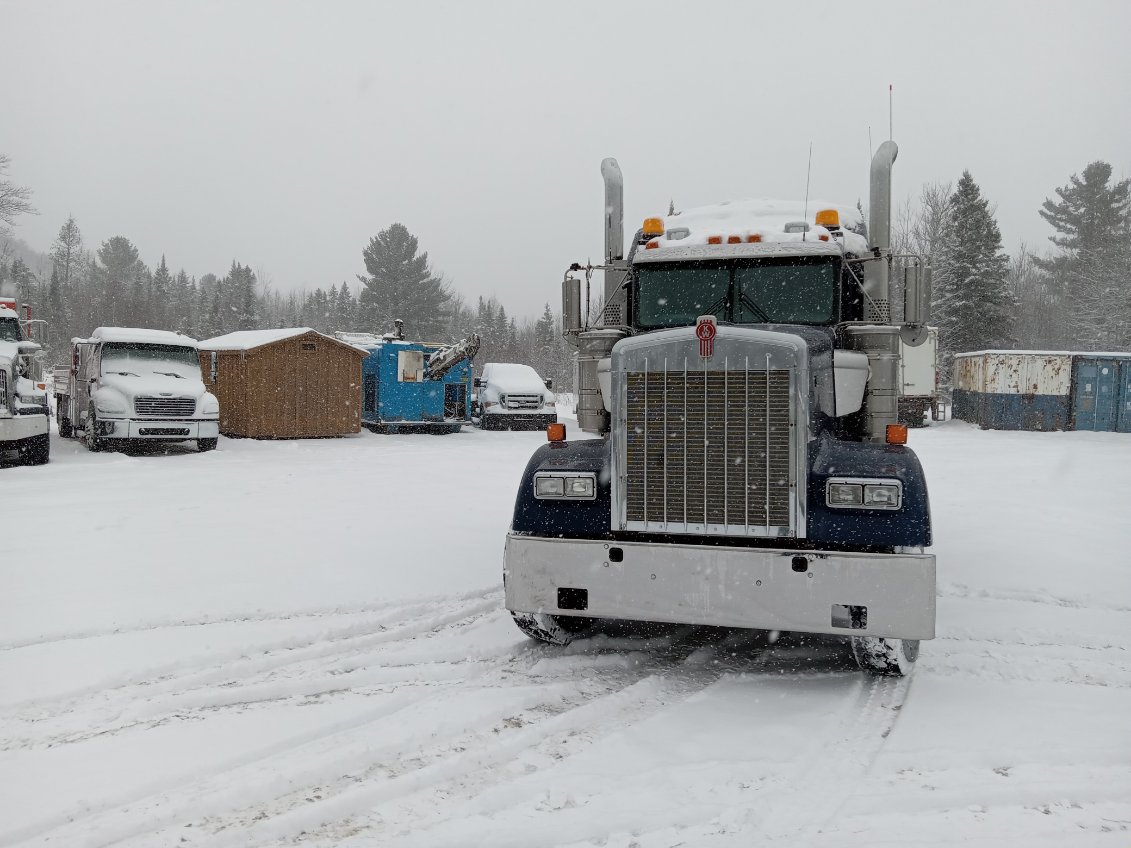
(512, 397)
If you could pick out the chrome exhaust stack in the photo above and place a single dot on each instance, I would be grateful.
(878, 273)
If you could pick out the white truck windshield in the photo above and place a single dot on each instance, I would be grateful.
(790, 291)
(151, 358)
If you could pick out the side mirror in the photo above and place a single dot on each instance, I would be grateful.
(549, 384)
(28, 347)
(477, 382)
(916, 303)
(571, 305)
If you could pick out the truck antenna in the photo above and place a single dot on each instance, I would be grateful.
(890, 135)
(808, 171)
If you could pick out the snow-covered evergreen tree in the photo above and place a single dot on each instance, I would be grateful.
(973, 305)
(400, 284)
(1093, 223)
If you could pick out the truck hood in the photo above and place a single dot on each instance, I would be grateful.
(516, 379)
(149, 383)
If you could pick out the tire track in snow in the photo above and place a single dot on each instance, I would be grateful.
(626, 688)
(576, 693)
(147, 700)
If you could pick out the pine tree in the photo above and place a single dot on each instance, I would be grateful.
(400, 284)
(116, 280)
(159, 302)
(1093, 222)
(974, 307)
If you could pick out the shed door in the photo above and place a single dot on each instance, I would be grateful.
(310, 391)
(1123, 422)
(1095, 401)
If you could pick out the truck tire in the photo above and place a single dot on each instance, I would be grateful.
(876, 655)
(36, 450)
(552, 629)
(94, 442)
(206, 444)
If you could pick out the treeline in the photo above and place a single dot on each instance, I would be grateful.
(76, 289)
(1075, 295)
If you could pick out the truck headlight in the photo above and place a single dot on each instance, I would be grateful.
(862, 493)
(110, 404)
(557, 485)
(209, 406)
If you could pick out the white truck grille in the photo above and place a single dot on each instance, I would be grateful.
(523, 402)
(165, 407)
(709, 452)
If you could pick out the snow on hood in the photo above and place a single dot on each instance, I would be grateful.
(519, 379)
(132, 378)
(5, 312)
(766, 218)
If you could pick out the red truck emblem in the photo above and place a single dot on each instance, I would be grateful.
(706, 328)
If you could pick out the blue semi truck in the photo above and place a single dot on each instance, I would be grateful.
(414, 387)
(744, 373)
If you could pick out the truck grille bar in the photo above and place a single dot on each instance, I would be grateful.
(709, 451)
(165, 407)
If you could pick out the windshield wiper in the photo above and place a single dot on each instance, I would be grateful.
(170, 374)
(759, 313)
(124, 373)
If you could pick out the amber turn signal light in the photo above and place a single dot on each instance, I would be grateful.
(896, 434)
(556, 432)
(653, 227)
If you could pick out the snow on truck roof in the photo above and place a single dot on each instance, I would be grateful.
(139, 335)
(251, 339)
(754, 228)
(5, 312)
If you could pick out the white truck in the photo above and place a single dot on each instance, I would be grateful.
(24, 417)
(511, 396)
(919, 380)
(128, 385)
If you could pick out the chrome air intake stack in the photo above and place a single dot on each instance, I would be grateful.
(595, 343)
(879, 338)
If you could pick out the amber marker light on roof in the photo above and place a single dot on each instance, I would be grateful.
(828, 218)
(652, 245)
(653, 227)
(714, 239)
(754, 238)
(896, 434)
(555, 432)
(734, 239)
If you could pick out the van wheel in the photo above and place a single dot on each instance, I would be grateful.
(876, 655)
(36, 450)
(206, 444)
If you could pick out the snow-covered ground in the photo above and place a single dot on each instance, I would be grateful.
(304, 642)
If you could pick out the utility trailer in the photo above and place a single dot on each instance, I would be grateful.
(919, 380)
(414, 387)
(744, 374)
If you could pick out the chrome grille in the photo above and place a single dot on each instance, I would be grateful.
(523, 401)
(708, 452)
(165, 407)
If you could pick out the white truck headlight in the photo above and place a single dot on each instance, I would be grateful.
(209, 405)
(863, 493)
(557, 485)
(110, 404)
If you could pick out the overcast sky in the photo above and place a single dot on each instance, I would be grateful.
(285, 134)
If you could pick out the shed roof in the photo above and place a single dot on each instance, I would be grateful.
(1106, 354)
(251, 339)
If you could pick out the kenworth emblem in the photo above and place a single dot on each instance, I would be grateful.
(706, 328)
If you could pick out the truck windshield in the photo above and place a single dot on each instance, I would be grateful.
(9, 330)
(152, 358)
(793, 290)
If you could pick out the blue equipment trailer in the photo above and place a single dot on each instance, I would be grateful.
(415, 387)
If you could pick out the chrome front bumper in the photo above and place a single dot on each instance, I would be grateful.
(852, 594)
(160, 430)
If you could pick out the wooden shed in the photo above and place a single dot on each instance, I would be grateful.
(292, 383)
